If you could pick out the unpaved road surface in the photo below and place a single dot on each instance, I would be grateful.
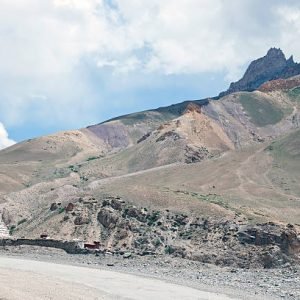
(28, 279)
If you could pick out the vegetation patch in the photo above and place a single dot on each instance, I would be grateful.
(22, 221)
(133, 118)
(287, 147)
(152, 218)
(294, 94)
(169, 250)
(61, 210)
(12, 229)
(260, 110)
(74, 168)
(94, 157)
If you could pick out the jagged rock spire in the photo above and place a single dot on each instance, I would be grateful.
(273, 65)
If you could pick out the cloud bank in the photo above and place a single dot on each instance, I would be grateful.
(61, 61)
(4, 140)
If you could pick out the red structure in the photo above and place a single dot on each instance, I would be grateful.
(94, 246)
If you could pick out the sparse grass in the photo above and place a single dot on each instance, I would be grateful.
(260, 110)
(153, 218)
(294, 94)
(61, 210)
(22, 221)
(133, 119)
(287, 148)
(211, 198)
(157, 243)
(169, 250)
(12, 229)
(93, 158)
(73, 168)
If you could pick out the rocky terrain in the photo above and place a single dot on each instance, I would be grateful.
(213, 181)
(272, 66)
(247, 284)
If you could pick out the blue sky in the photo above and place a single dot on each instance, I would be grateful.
(66, 64)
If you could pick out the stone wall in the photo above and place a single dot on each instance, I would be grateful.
(71, 247)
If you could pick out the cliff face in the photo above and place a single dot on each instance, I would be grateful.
(272, 66)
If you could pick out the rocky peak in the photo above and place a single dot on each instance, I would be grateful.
(273, 65)
(275, 53)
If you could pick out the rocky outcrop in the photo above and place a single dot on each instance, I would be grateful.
(280, 84)
(81, 220)
(127, 228)
(108, 218)
(272, 66)
(282, 240)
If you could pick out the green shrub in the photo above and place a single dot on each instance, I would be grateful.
(22, 221)
(61, 210)
(294, 94)
(93, 158)
(157, 243)
(169, 250)
(12, 229)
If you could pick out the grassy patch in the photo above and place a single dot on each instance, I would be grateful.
(133, 119)
(169, 250)
(93, 158)
(12, 229)
(211, 198)
(287, 147)
(260, 110)
(73, 168)
(22, 221)
(61, 210)
(294, 94)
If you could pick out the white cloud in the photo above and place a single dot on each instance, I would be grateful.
(50, 37)
(4, 140)
(45, 44)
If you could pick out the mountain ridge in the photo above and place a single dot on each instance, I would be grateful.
(273, 65)
(169, 181)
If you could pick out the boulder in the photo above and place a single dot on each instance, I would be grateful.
(127, 255)
(116, 204)
(53, 206)
(136, 213)
(70, 207)
(81, 220)
(108, 218)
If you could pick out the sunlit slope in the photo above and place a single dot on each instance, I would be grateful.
(259, 183)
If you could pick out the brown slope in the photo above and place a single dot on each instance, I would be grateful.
(189, 138)
(280, 84)
(39, 159)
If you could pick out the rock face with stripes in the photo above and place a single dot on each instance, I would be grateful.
(4, 233)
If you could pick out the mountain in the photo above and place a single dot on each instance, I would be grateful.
(272, 66)
(208, 180)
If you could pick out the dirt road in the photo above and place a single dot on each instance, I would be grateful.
(28, 279)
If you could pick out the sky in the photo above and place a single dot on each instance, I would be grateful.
(67, 64)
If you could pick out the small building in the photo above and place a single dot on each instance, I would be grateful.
(94, 246)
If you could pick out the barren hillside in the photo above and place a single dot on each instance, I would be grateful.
(166, 180)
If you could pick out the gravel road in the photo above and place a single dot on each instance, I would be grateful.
(28, 272)
(28, 279)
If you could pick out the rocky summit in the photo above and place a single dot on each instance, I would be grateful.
(273, 65)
